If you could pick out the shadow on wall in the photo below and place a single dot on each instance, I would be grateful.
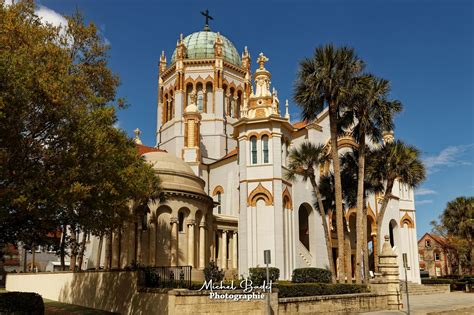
(114, 291)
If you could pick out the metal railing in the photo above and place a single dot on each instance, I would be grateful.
(165, 277)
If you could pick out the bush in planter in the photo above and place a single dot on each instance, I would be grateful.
(258, 274)
(212, 272)
(305, 275)
(21, 303)
(314, 289)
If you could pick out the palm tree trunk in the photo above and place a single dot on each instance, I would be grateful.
(348, 254)
(82, 250)
(99, 253)
(322, 213)
(360, 209)
(365, 250)
(386, 198)
(338, 191)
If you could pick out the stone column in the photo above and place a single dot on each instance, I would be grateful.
(152, 248)
(388, 267)
(191, 244)
(224, 250)
(202, 245)
(375, 248)
(174, 241)
(234, 250)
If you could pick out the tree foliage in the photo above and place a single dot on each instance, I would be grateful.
(62, 161)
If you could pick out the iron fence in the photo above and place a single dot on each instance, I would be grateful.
(165, 277)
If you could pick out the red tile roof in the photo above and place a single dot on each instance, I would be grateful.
(231, 153)
(142, 149)
(300, 124)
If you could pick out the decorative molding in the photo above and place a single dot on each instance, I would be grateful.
(260, 193)
(289, 203)
(406, 219)
(217, 190)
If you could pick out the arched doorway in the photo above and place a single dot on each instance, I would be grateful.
(303, 226)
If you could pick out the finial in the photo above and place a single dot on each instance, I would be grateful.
(287, 113)
(137, 133)
(261, 60)
(388, 136)
(163, 57)
(208, 17)
(387, 238)
(181, 37)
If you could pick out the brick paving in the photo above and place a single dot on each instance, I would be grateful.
(452, 303)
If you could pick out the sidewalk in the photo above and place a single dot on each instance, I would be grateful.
(453, 303)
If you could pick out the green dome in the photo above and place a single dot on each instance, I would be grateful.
(200, 45)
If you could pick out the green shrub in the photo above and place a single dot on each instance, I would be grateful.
(212, 272)
(436, 281)
(21, 303)
(258, 274)
(309, 275)
(313, 289)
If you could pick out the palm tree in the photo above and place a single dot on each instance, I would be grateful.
(388, 163)
(369, 113)
(325, 80)
(458, 218)
(304, 161)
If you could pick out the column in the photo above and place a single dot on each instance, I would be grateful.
(376, 254)
(224, 250)
(202, 245)
(191, 243)
(174, 241)
(234, 250)
(152, 248)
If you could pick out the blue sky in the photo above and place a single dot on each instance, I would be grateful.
(425, 48)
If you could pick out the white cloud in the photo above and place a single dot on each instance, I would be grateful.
(117, 125)
(424, 191)
(50, 16)
(448, 157)
(423, 202)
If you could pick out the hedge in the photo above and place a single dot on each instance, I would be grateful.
(313, 289)
(258, 275)
(21, 303)
(305, 275)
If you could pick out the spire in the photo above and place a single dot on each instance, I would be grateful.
(287, 113)
(137, 133)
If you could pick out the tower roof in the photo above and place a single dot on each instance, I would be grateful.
(200, 45)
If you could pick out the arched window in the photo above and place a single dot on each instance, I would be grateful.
(219, 199)
(303, 226)
(253, 149)
(265, 149)
(200, 100)
(181, 221)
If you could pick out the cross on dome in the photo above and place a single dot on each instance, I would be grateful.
(208, 17)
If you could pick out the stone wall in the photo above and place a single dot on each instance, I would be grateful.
(118, 292)
(332, 304)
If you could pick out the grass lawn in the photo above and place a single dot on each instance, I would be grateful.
(53, 307)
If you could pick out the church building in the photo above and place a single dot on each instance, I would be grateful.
(222, 144)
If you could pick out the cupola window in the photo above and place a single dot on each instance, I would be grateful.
(265, 149)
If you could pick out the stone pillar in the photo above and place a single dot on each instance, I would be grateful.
(152, 248)
(202, 245)
(224, 250)
(191, 243)
(388, 268)
(374, 246)
(174, 241)
(234, 250)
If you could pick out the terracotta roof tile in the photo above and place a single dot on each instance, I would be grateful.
(142, 149)
(300, 124)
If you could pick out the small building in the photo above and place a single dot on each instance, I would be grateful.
(433, 255)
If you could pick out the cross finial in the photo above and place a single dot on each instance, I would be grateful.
(208, 17)
(137, 133)
(261, 61)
